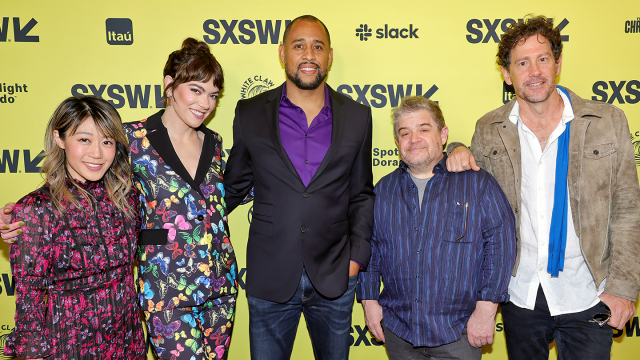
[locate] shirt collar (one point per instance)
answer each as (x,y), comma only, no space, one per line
(327,98)
(567,113)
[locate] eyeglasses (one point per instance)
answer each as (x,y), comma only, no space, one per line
(602,318)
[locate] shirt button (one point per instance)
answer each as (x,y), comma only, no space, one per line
(417,276)
(306,161)
(418,251)
(303,229)
(301,112)
(541,216)
(416,229)
(200,217)
(596,152)
(412,186)
(414,206)
(305,195)
(416,300)
(306,135)
(540,269)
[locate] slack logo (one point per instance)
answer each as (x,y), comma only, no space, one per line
(477,35)
(19,32)
(364,32)
(119,31)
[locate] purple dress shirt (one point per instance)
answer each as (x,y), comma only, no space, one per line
(305,145)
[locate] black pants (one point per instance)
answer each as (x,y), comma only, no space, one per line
(530,332)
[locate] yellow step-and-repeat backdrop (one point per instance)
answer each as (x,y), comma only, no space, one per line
(383,50)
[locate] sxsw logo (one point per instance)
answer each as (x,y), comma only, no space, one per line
(623,92)
(19,32)
(8,287)
(378,95)
(362,337)
(11,159)
(119,31)
(364,32)
(476,34)
(243,31)
(137,96)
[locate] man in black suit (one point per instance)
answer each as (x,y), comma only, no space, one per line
(306,150)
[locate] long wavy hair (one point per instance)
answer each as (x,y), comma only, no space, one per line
(66,119)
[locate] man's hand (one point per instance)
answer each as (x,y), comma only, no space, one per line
(482,324)
(621,310)
(461,159)
(8,232)
(354,268)
(373,316)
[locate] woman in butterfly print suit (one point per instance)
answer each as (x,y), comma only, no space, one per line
(187,284)
(72,266)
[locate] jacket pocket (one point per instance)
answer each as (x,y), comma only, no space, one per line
(494,152)
(456,215)
(153,236)
(262,209)
(261,226)
(339,229)
(598,151)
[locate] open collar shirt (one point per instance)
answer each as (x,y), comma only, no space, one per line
(574,290)
(436,260)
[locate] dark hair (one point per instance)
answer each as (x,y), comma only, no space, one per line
(519,32)
(307,18)
(65,120)
(412,104)
(193,62)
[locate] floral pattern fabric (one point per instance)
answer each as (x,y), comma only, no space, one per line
(75,296)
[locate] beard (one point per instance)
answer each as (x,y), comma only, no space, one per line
(312,85)
(536,97)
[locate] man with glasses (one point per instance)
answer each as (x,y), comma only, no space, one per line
(443,243)
(567,166)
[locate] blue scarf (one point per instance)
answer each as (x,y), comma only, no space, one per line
(559,216)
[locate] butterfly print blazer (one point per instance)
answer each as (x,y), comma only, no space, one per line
(185,254)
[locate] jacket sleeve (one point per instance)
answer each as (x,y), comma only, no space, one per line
(238,174)
(30,264)
(499,243)
(624,272)
(361,201)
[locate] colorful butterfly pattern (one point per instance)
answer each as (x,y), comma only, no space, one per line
(193,266)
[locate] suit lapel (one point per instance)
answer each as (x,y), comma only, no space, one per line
(272,112)
(338,119)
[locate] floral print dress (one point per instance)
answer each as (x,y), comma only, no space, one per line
(75,296)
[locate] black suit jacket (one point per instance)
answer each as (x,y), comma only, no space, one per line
(321,226)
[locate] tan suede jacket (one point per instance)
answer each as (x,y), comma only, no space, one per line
(603,186)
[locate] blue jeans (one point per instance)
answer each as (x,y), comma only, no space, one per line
(272,326)
(530,332)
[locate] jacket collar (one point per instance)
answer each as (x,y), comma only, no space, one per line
(272,111)
(581,108)
(159,138)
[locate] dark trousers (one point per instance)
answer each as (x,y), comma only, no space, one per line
(273,326)
(400,349)
(530,332)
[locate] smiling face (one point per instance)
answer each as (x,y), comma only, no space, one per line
(419,141)
(533,69)
(88,152)
(191,102)
(306,54)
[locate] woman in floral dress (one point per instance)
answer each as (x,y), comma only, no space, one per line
(72,265)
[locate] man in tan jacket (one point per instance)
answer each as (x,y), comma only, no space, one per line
(567,167)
